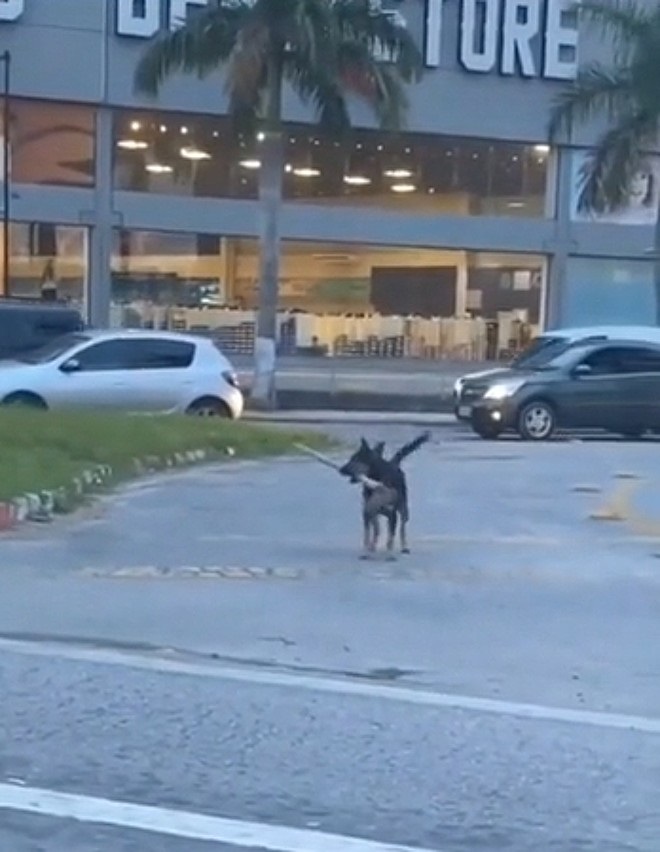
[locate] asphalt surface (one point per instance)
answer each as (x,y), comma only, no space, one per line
(512,595)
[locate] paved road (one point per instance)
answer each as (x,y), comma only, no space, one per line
(303,689)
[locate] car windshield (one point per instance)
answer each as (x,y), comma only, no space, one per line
(540,352)
(53,350)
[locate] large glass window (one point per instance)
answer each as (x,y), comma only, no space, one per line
(51,143)
(600,291)
(348,298)
(48,262)
(202,156)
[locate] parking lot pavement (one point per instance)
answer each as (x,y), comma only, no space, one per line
(203,655)
(259,561)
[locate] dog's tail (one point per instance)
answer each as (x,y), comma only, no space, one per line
(410,448)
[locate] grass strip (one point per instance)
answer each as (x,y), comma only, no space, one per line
(47,450)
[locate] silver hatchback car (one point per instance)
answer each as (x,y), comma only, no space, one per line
(135,371)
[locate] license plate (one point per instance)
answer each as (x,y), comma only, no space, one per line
(465,411)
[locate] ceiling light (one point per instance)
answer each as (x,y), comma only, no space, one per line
(357,180)
(163,128)
(398,173)
(184,131)
(403,187)
(306,172)
(288,168)
(542,149)
(196,154)
(135,125)
(159,169)
(250,164)
(132,144)
(261,136)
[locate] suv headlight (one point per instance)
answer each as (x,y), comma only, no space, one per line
(503,390)
(458,387)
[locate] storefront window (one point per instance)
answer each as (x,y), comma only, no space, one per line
(48,262)
(51,143)
(601,291)
(347,298)
(201,156)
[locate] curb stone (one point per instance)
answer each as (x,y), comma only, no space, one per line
(42,507)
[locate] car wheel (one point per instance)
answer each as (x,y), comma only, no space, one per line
(209,407)
(25,400)
(487,431)
(633,434)
(537,421)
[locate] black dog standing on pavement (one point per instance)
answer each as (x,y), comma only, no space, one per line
(389,497)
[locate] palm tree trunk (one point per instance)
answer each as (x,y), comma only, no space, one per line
(263,393)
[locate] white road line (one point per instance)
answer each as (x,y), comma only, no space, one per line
(244,835)
(337,686)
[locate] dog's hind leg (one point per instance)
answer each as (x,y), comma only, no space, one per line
(391,533)
(403,532)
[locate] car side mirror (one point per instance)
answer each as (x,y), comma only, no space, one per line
(582,370)
(70,366)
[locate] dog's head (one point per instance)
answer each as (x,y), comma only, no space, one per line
(362,461)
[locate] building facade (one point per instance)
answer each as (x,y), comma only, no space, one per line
(146,212)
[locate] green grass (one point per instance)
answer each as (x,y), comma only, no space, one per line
(45,450)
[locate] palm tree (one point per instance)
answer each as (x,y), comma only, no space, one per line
(627,93)
(326,51)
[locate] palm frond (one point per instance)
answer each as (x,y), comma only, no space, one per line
(379,84)
(247,63)
(360,21)
(313,84)
(609,170)
(625,22)
(199,47)
(596,89)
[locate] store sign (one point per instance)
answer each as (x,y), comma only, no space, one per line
(529,38)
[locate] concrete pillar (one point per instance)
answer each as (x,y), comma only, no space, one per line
(102,222)
(462,285)
(562,244)
(228,266)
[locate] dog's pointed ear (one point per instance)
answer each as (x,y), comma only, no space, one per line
(364,444)
(379,449)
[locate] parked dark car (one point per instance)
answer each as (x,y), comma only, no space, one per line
(26,326)
(608,385)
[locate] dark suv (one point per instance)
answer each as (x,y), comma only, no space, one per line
(609,385)
(26,326)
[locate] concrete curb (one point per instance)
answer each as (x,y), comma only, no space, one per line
(42,507)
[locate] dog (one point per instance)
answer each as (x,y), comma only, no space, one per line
(387,493)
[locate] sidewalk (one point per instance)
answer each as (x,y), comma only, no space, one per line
(407,418)
(367,385)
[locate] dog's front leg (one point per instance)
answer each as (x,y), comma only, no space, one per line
(367,535)
(375,526)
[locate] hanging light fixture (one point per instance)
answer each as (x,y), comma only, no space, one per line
(357,180)
(132,144)
(190,152)
(159,168)
(250,164)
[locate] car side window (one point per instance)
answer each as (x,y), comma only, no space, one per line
(608,361)
(163,354)
(107,355)
(640,360)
